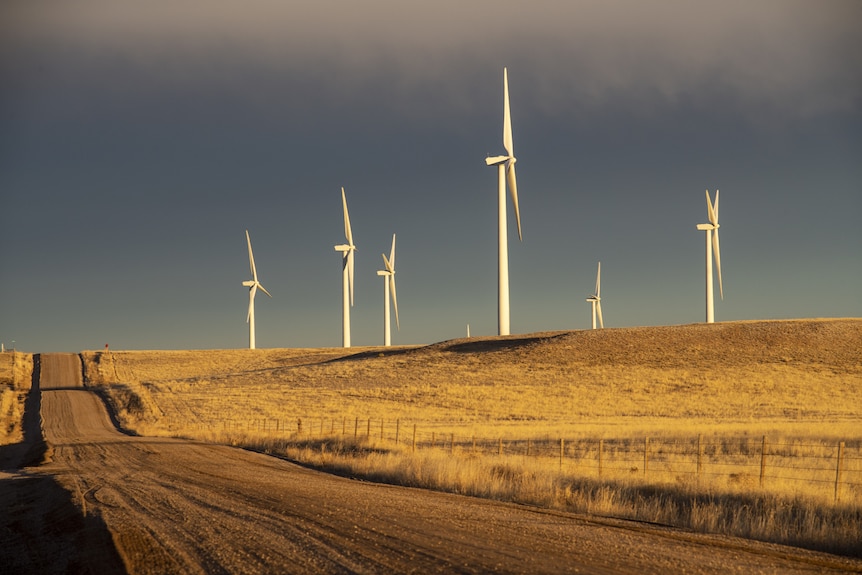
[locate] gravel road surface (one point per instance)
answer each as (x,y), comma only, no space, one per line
(108,502)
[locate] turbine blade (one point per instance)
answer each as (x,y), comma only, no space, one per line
(717,255)
(599,310)
(347,231)
(350,274)
(715,207)
(710,211)
(250,256)
(263,289)
(394,300)
(250,303)
(599,281)
(513,189)
(387,264)
(507,116)
(392,255)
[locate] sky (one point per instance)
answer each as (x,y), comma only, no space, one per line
(139,140)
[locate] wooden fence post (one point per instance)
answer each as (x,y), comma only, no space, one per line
(368,432)
(343,426)
(414,438)
(381,429)
(601,453)
(699,456)
(562,452)
(762,460)
(839,471)
(397,430)
(356,429)
(646,455)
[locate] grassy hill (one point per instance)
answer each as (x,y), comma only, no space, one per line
(803,376)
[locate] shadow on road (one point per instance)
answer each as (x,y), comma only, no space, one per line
(42,530)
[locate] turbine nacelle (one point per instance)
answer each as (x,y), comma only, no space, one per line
(496,160)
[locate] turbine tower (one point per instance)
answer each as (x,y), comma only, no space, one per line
(505,173)
(389,287)
(712,245)
(346,274)
(596,299)
(252,286)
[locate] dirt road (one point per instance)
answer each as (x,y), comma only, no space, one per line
(153,505)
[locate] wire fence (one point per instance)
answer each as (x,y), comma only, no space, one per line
(830,469)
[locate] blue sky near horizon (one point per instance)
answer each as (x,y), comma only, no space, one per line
(138,141)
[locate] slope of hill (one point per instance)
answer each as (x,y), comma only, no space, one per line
(797,371)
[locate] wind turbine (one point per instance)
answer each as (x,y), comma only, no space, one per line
(505,173)
(712,245)
(596,299)
(346,274)
(389,287)
(252,286)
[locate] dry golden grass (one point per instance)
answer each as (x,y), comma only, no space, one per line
(791,377)
(797,382)
(16,371)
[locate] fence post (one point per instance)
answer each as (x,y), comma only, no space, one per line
(343,426)
(381,429)
(646,455)
(762,460)
(451,443)
(699,456)
(299,426)
(601,452)
(562,452)
(356,428)
(838,471)
(414,438)
(397,430)
(368,432)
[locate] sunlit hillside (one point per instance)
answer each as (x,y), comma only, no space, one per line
(802,376)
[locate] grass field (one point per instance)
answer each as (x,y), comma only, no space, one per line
(663,389)
(609,395)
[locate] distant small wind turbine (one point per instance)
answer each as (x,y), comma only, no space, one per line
(712,245)
(346,274)
(389,287)
(252,286)
(596,299)
(505,172)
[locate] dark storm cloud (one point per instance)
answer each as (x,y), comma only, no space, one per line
(796,58)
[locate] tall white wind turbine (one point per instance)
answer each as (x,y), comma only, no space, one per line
(389,288)
(505,173)
(252,286)
(346,274)
(712,245)
(596,299)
